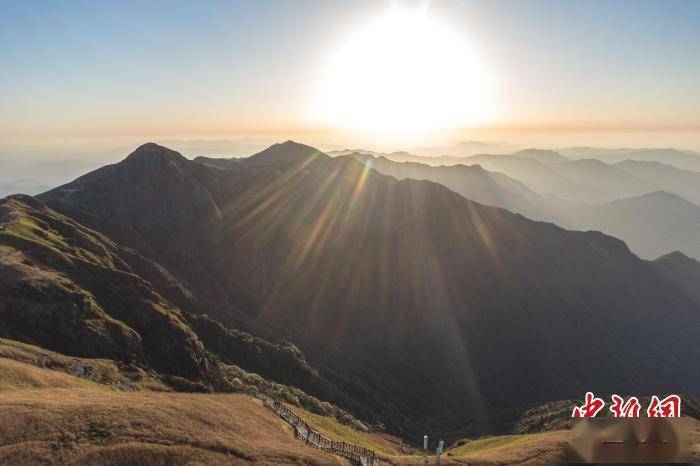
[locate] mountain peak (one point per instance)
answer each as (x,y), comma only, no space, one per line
(659,200)
(675,256)
(682,270)
(152,151)
(542,155)
(662,196)
(588,163)
(285,153)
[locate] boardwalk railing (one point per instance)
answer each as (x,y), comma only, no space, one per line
(358,455)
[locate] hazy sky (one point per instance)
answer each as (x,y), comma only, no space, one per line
(231,68)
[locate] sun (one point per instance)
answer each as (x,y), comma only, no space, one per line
(404,73)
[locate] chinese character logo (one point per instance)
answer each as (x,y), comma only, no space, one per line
(591,407)
(628,409)
(668,407)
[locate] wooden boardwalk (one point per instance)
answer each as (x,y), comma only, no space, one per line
(357,455)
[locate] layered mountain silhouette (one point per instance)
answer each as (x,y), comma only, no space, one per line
(403,156)
(685,183)
(584,181)
(683,159)
(422,307)
(472,182)
(651,224)
(547,156)
(548,173)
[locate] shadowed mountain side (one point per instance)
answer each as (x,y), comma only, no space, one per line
(472,182)
(651,224)
(444,304)
(234,162)
(70,289)
(167,198)
(166,207)
(161,205)
(681,270)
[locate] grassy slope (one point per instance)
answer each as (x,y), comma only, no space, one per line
(71,289)
(63,284)
(546,448)
(336,431)
(493,443)
(51,417)
(541,447)
(104,371)
(18,376)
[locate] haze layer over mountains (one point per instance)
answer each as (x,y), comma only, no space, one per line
(652,205)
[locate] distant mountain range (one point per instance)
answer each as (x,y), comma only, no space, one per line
(459,148)
(472,182)
(22,186)
(685,183)
(651,224)
(582,181)
(683,159)
(625,200)
(402,156)
(415,306)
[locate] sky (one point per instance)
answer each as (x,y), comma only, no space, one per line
(123,71)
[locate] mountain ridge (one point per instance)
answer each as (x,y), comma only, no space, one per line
(471,181)
(652,223)
(383,281)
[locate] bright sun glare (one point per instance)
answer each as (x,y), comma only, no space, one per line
(404,73)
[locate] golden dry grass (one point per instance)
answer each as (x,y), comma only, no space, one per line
(545,448)
(50,417)
(104,371)
(18,376)
(336,431)
(90,426)
(541,448)
(489,444)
